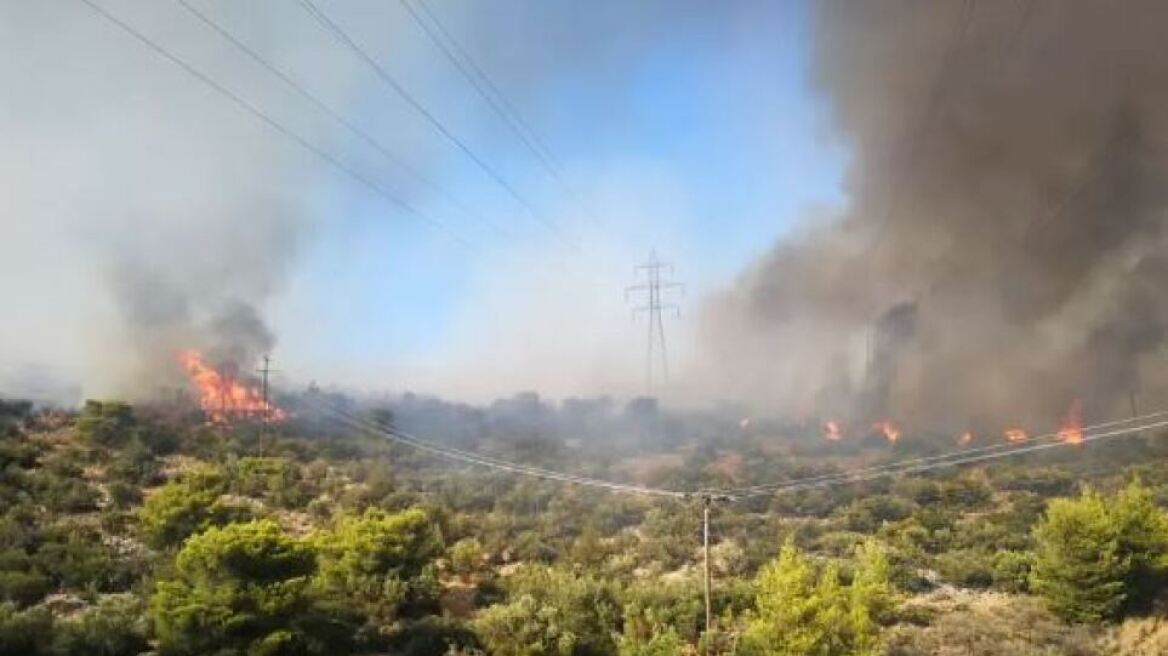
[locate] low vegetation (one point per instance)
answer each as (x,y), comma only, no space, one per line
(129,530)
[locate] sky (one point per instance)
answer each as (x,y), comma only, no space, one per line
(690,129)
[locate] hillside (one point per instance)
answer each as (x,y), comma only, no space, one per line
(128,530)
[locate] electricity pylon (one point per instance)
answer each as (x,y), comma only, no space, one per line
(655,286)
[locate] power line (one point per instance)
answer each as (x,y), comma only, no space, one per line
(268,120)
(361,134)
(487,89)
(858,476)
(943,456)
(468,457)
(343,37)
(655,287)
(535,138)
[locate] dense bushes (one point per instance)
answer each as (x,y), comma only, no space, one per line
(379,563)
(550,611)
(106,423)
(111,627)
(110,546)
(242,588)
(187,506)
(805,608)
(1100,557)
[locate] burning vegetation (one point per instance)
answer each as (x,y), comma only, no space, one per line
(223,396)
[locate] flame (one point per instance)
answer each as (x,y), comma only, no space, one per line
(832,430)
(888,429)
(965,438)
(1071,431)
(223,396)
(1016,435)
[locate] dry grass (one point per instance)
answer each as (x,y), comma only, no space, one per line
(968,623)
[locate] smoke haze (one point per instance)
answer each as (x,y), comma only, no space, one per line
(1002,250)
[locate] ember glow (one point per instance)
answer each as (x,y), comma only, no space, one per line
(224,397)
(832,430)
(965,438)
(887,429)
(1071,430)
(1016,435)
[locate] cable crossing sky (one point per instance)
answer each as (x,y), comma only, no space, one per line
(912,465)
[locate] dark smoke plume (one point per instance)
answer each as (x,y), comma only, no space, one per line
(1003,249)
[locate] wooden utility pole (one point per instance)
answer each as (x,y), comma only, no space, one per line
(706,550)
(265,371)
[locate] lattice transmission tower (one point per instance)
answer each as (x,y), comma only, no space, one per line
(653,290)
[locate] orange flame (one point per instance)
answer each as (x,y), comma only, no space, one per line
(222,396)
(888,429)
(832,430)
(1016,435)
(1071,431)
(965,438)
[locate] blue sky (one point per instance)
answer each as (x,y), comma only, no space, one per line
(688,127)
(714,116)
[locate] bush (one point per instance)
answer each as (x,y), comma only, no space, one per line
(76,558)
(25,633)
(135,464)
(23,588)
(64,495)
(868,514)
(551,612)
(649,607)
(1101,557)
(803,609)
(123,495)
(106,423)
(185,507)
(276,479)
(242,588)
(379,563)
(970,568)
(1012,571)
(113,627)
(466,557)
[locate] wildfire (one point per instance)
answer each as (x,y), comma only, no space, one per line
(887,429)
(1016,435)
(965,438)
(832,430)
(1071,431)
(222,396)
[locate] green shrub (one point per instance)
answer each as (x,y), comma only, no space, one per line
(379,563)
(123,495)
(241,588)
(182,508)
(106,423)
(804,609)
(114,627)
(1101,557)
(24,588)
(1012,571)
(25,633)
(970,568)
(553,612)
(275,479)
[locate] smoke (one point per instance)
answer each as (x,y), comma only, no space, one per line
(142,212)
(1002,250)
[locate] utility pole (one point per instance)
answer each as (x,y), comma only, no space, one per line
(706,555)
(655,287)
(264,372)
(708,498)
